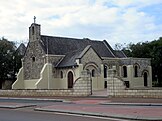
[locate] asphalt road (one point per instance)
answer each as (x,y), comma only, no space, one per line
(22,113)
(28,114)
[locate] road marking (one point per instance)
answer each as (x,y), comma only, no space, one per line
(104,118)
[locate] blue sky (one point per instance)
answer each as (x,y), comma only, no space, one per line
(117,21)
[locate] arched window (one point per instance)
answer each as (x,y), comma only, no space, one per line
(136,71)
(93,73)
(124,71)
(61,74)
(105,71)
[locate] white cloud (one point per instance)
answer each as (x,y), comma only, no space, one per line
(115,20)
(134,3)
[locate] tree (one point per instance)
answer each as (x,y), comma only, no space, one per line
(8,60)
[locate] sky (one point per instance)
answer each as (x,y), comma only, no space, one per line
(117,21)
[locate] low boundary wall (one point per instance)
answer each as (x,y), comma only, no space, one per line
(117,88)
(81,87)
(43,92)
(142,93)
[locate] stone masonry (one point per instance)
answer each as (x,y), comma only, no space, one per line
(116,88)
(82,87)
(33,61)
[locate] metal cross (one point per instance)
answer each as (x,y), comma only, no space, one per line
(34,19)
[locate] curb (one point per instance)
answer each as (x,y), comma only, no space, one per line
(33,99)
(96,96)
(133,104)
(100,114)
(17,106)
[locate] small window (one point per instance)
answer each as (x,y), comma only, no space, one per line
(61,74)
(33,59)
(93,73)
(124,71)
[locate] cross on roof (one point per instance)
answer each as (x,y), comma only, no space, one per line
(34,19)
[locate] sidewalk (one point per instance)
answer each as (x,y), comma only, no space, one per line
(108,108)
(123,108)
(15,105)
(122,112)
(113,100)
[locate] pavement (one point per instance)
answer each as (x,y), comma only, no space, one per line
(15,105)
(122,108)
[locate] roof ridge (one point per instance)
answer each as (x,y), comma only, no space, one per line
(108,47)
(72,38)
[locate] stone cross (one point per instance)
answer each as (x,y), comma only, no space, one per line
(34,19)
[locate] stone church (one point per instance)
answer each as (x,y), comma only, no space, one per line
(53,62)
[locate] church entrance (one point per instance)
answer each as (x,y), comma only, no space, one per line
(70,80)
(145,79)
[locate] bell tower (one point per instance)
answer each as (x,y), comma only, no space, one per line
(34,31)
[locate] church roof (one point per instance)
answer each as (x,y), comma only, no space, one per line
(62,45)
(120,54)
(73,48)
(69,59)
(21,49)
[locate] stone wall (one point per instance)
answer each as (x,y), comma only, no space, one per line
(131,61)
(92,62)
(112,62)
(32,68)
(116,88)
(91,57)
(82,87)
(43,92)
(143,93)
(143,63)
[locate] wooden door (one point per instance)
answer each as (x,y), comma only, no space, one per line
(145,79)
(70,80)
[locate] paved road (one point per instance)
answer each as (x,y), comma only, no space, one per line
(91,107)
(27,114)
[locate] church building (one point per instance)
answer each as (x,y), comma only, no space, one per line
(53,62)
